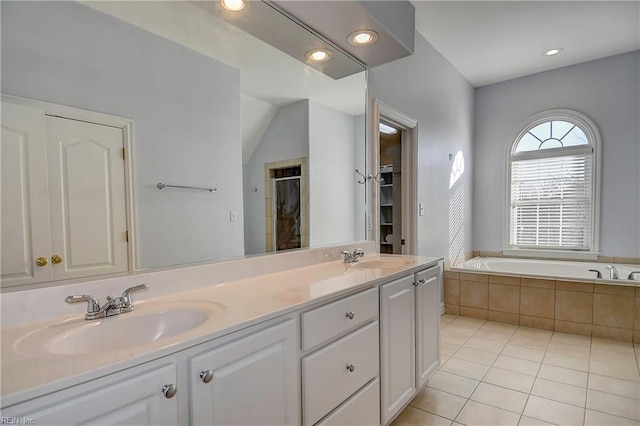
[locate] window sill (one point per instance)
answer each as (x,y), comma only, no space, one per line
(551,254)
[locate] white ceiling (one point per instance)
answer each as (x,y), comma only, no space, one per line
(492,41)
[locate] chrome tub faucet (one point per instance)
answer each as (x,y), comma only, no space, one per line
(113,306)
(613,272)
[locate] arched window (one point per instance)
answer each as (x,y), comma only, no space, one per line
(553,183)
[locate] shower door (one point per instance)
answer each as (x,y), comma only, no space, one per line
(286,213)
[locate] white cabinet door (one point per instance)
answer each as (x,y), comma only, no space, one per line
(427,323)
(87,198)
(25,202)
(397,342)
(254,380)
(131,397)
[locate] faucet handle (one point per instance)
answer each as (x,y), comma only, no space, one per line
(632,274)
(598,273)
(93,305)
(126,295)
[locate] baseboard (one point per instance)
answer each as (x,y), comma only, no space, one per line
(441,309)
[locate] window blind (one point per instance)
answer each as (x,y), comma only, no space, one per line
(551,202)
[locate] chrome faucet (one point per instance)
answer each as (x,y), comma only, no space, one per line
(113,306)
(353,257)
(613,272)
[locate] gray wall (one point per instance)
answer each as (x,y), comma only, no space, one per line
(331,176)
(427,87)
(607,91)
(286,137)
(185,107)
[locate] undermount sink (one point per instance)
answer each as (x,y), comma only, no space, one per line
(149,323)
(383,263)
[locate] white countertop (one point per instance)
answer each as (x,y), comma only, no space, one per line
(27,373)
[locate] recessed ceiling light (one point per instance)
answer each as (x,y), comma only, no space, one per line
(553,51)
(318,55)
(387,130)
(233,5)
(362,37)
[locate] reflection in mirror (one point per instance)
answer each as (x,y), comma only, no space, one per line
(196,101)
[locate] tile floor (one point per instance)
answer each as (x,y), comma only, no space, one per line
(501,374)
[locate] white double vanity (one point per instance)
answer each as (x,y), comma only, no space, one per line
(290,338)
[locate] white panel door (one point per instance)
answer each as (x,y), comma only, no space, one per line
(87,198)
(427,323)
(398,345)
(131,397)
(254,380)
(25,203)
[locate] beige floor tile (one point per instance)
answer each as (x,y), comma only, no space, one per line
(566,361)
(439,403)
(447,318)
(509,379)
(415,416)
(485,345)
(475,413)
(448,349)
(623,372)
(518,365)
(500,397)
(530,342)
(623,358)
(562,392)
(596,418)
(564,375)
(452,383)
(570,350)
(444,359)
(496,336)
(571,339)
(611,345)
(553,411)
(535,333)
(469,322)
(613,404)
(614,386)
(464,368)
(461,329)
(529,421)
(476,355)
(523,352)
(499,327)
(453,337)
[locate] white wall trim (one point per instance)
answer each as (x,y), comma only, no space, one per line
(126,125)
(594,138)
(409,176)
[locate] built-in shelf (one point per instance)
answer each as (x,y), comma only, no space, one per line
(384,243)
(386,205)
(386,224)
(386,185)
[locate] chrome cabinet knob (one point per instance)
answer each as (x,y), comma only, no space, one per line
(415,284)
(206,376)
(351,368)
(422,281)
(169,391)
(350,315)
(42,261)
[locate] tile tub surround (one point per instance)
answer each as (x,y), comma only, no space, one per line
(585,308)
(246,301)
(500,374)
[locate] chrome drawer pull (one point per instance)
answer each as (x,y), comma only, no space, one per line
(350,315)
(351,368)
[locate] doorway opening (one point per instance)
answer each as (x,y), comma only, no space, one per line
(286,205)
(395,137)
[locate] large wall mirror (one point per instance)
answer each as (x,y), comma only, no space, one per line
(206,104)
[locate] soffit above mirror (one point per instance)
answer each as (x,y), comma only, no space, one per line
(393,21)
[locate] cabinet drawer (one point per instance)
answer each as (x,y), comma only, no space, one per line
(327,381)
(322,324)
(363,408)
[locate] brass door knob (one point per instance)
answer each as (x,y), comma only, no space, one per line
(41,261)
(56,259)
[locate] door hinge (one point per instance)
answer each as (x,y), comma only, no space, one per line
(126,235)
(123,154)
